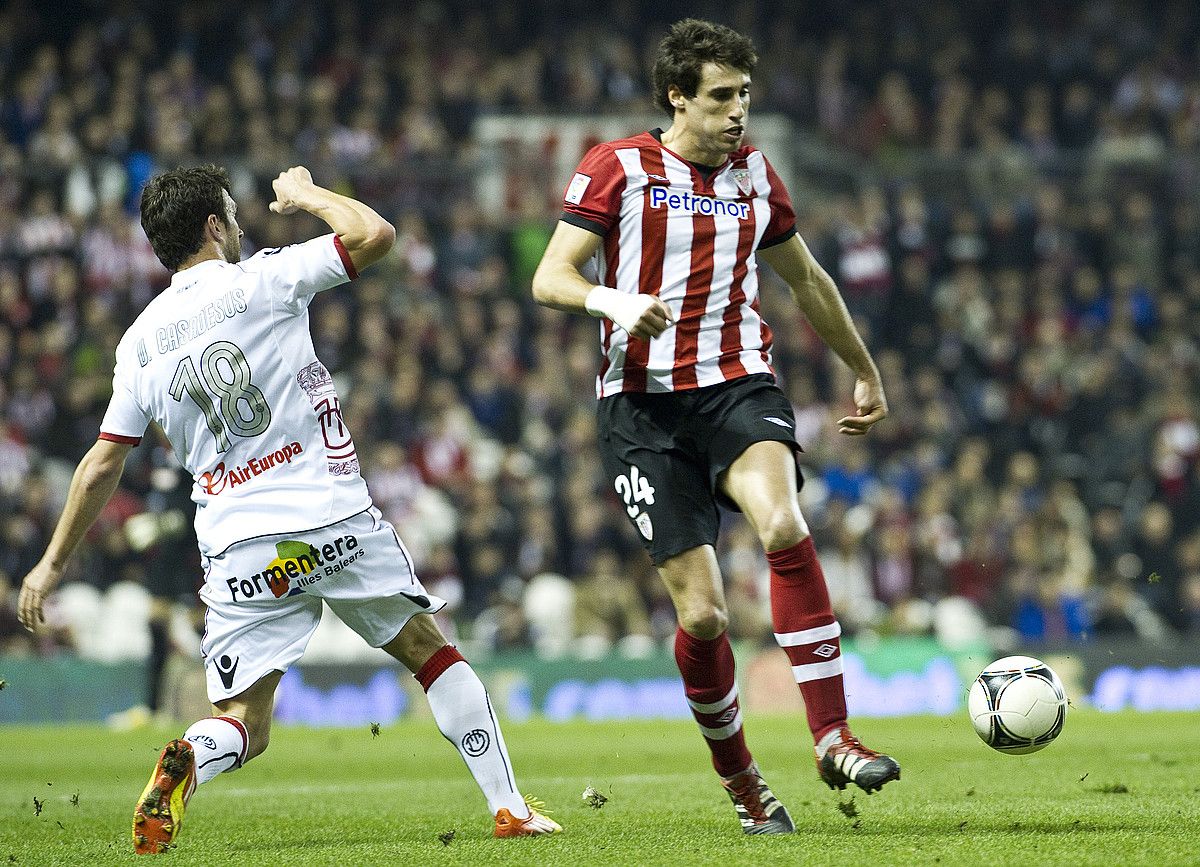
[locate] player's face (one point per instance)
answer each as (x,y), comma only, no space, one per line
(231,247)
(717,115)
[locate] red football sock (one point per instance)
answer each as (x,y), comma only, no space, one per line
(808,633)
(708,681)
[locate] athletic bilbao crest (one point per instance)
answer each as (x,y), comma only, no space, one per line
(645,526)
(741,177)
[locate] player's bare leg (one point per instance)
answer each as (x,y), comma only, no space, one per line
(705,662)
(762,481)
(464,715)
(239,730)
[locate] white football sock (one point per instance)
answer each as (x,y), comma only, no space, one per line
(463,712)
(219,743)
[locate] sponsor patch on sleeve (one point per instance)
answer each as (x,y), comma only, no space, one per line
(577,188)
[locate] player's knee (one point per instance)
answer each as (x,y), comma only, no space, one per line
(705,622)
(784,528)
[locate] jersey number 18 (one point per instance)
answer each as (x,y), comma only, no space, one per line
(226,373)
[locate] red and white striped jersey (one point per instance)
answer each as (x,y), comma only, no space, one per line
(670,232)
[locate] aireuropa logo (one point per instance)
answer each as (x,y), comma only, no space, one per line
(297,565)
(706,206)
(220,479)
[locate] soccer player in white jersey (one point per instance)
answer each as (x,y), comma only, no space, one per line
(223,361)
(689,412)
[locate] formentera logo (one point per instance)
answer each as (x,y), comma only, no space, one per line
(297,564)
(220,479)
(690,203)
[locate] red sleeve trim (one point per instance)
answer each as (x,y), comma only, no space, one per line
(351,271)
(117,438)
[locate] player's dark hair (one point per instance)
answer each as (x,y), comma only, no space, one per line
(175,207)
(690,44)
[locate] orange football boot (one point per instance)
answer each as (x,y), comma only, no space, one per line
(159,811)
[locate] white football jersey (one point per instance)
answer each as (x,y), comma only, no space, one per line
(224,362)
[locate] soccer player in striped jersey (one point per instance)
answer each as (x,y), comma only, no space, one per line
(689,413)
(224,362)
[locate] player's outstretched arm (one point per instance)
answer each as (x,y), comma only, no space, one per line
(366,236)
(559,283)
(92,487)
(819,299)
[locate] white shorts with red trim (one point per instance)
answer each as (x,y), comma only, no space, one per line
(265,596)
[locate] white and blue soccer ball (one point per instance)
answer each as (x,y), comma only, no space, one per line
(1017,705)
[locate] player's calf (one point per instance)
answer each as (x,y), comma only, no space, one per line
(463,713)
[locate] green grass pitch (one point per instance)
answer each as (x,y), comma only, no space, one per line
(1114,789)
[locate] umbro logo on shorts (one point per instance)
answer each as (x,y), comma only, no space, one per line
(227,668)
(777,421)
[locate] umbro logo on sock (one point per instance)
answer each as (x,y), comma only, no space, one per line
(476,742)
(227,668)
(729,716)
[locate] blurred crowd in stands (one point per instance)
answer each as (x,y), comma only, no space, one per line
(1006,194)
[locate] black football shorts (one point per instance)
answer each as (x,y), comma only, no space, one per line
(663,454)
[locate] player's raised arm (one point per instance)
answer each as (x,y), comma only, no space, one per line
(366,236)
(559,283)
(92,487)
(819,299)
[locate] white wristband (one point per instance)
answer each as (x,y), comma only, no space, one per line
(621,307)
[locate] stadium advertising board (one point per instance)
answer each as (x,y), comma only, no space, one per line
(888,678)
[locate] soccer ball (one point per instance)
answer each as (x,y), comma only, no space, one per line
(1017,705)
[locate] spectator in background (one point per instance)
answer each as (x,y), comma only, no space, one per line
(864,266)
(1054,314)
(847,564)
(609,611)
(1191,605)
(1045,584)
(15,640)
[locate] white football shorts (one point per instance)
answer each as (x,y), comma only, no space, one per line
(264,596)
